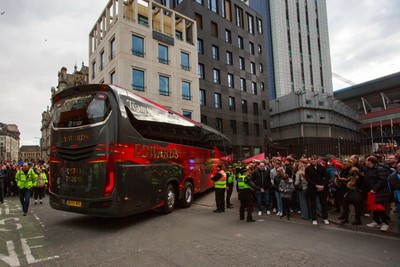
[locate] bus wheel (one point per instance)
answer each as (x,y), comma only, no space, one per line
(169,201)
(187,195)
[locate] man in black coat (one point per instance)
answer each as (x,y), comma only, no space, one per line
(262,180)
(317,178)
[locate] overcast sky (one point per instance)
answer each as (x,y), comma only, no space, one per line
(40,37)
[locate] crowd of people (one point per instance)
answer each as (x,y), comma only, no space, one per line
(25,180)
(312,185)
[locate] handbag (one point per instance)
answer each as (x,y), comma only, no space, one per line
(372,205)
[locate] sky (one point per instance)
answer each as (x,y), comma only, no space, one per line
(40,37)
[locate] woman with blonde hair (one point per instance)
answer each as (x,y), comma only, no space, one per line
(301,187)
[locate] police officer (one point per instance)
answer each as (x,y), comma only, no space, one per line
(229,186)
(25,179)
(220,185)
(246,192)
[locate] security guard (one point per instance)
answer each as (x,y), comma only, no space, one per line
(25,179)
(229,186)
(246,192)
(220,185)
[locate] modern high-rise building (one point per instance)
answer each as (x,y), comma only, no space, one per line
(297,46)
(231,70)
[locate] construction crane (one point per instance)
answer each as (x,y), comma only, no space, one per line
(337,76)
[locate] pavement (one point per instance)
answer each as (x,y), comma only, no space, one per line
(209,200)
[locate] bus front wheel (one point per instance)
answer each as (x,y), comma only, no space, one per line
(187,195)
(169,199)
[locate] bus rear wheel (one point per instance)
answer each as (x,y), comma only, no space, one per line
(169,200)
(187,195)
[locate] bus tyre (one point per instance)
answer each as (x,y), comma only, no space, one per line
(187,195)
(169,200)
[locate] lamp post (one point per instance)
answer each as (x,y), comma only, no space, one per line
(340,138)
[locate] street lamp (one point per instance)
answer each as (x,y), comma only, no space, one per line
(340,138)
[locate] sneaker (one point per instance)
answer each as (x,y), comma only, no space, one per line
(326,222)
(373,224)
(268,212)
(274,210)
(314,222)
(384,227)
(24,213)
(41,202)
(259,213)
(366,215)
(299,212)
(35,202)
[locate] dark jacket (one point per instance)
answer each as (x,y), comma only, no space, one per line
(261,179)
(376,177)
(316,176)
(394,182)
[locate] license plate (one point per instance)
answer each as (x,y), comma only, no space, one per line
(74,203)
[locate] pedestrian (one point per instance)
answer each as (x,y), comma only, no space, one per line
(220,186)
(301,189)
(262,180)
(280,174)
(39,185)
(317,180)
(376,177)
(246,193)
(230,176)
(25,179)
(286,188)
(353,196)
(394,182)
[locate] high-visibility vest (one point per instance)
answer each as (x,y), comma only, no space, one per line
(240,182)
(221,183)
(25,181)
(43,178)
(231,177)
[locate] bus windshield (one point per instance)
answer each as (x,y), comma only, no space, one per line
(80,110)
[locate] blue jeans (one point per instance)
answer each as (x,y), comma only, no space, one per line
(303,204)
(24,197)
(262,196)
(1,190)
(279,204)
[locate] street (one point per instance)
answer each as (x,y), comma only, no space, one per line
(187,237)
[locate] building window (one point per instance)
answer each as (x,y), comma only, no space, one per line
(254,88)
(240,42)
(213,6)
(112,48)
(202,97)
(215,52)
(251,48)
(264,105)
(201,71)
(137,80)
(230,81)
(239,16)
(262,86)
(144,21)
(112,77)
(102,61)
(216,76)
(164,85)
(199,20)
(232,127)
(178,35)
(261,68)
(186,90)
(229,58)
(199,2)
(187,114)
(232,104)
(162,54)
(259,26)
(244,106)
(93,69)
(217,101)
(137,46)
(203,119)
(253,67)
(259,49)
(245,128)
(185,61)
(241,63)
(243,85)
(228,36)
(214,29)
(255,109)
(218,124)
(250,24)
(200,46)
(256,129)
